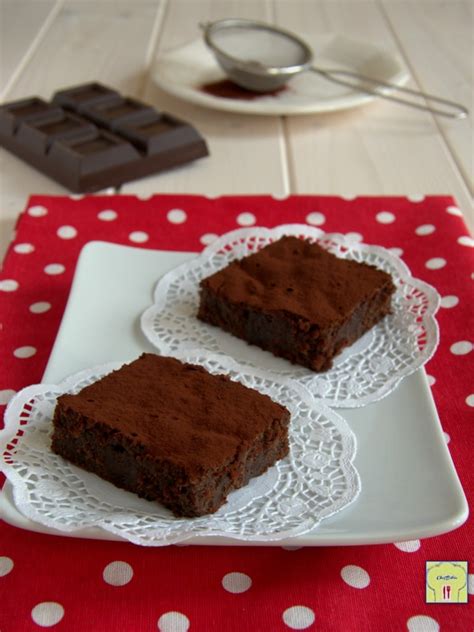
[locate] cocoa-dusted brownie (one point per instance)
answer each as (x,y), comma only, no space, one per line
(297,300)
(171,432)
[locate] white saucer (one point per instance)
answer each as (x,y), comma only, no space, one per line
(183,71)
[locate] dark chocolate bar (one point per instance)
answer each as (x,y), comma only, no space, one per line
(90,137)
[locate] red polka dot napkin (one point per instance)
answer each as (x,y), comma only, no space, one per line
(75,584)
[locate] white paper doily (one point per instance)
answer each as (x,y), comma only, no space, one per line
(363,373)
(315,481)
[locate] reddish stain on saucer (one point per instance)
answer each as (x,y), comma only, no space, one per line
(229,90)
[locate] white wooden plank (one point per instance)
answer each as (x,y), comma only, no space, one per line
(378,149)
(20,23)
(438,40)
(10,208)
(105,41)
(247,153)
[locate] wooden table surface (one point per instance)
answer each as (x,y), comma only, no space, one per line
(380,148)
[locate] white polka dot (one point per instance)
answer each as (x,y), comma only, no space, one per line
(449,301)
(292,548)
(398,252)
(138,237)
(461,348)
(8,285)
(108,215)
(470,584)
(425,229)
(354,237)
(465,240)
(470,400)
(348,196)
(246,219)
(410,546)
(76,196)
(6,564)
(453,210)
(316,219)
(207,238)
(416,197)
(280,196)
(355,576)
(37,211)
(23,249)
(298,617)
(40,307)
(5,397)
(24,352)
(431,380)
(447,438)
(173,622)
(435,264)
(236,582)
(385,217)
(176,216)
(66,232)
(47,613)
(117,573)
(422,623)
(54,268)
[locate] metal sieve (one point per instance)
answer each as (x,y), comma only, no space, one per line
(262,58)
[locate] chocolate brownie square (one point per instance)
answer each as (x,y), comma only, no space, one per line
(297,300)
(171,432)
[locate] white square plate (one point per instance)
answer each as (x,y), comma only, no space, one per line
(410,488)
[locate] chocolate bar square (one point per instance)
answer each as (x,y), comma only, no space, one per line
(156,133)
(13,114)
(39,133)
(88,155)
(82,96)
(116,111)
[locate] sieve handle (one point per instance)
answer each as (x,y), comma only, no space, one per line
(453,110)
